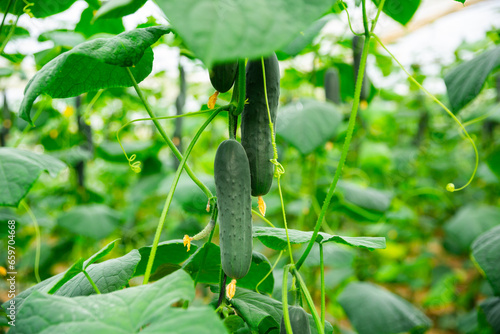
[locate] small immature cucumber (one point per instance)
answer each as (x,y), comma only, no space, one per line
(332,85)
(357,49)
(232,184)
(222,76)
(255,132)
(298,320)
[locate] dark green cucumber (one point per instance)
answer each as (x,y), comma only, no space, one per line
(332,86)
(298,320)
(222,76)
(357,49)
(255,132)
(232,184)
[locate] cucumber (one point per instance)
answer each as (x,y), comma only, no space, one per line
(222,76)
(357,49)
(298,320)
(255,132)
(232,185)
(332,86)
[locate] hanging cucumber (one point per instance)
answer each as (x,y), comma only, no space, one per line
(255,132)
(222,76)
(298,320)
(357,49)
(232,183)
(332,86)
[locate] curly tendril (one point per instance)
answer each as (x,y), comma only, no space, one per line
(27,10)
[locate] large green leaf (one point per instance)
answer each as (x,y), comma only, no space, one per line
(62,38)
(262,313)
(143,309)
(172,252)
(19,169)
(118,8)
(39,8)
(367,198)
(303,39)
(107,26)
(218,31)
(468,223)
(400,10)
(95,221)
(491,309)
(211,269)
(465,81)
(308,124)
(93,65)
(486,252)
(374,310)
(109,276)
(275,238)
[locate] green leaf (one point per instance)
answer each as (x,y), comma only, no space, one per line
(467,224)
(275,238)
(465,81)
(493,161)
(143,309)
(100,254)
(218,31)
(262,313)
(461,1)
(19,169)
(364,197)
(491,309)
(168,252)
(40,8)
(400,10)
(118,8)
(304,38)
(308,124)
(95,221)
(486,253)
(109,276)
(374,310)
(74,270)
(19,32)
(62,37)
(211,270)
(93,65)
(107,26)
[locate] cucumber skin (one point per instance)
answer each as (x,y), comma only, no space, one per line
(255,132)
(222,76)
(298,320)
(232,184)
(332,86)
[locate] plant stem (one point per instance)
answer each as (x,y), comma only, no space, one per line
(239,90)
(284,293)
(347,141)
(222,287)
(309,301)
(169,142)
(11,32)
(91,282)
(269,273)
(322,269)
(205,253)
(263,218)
(170,195)
(6,13)
(38,241)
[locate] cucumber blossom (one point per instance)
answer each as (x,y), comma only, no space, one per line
(332,86)
(298,320)
(222,76)
(255,132)
(232,184)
